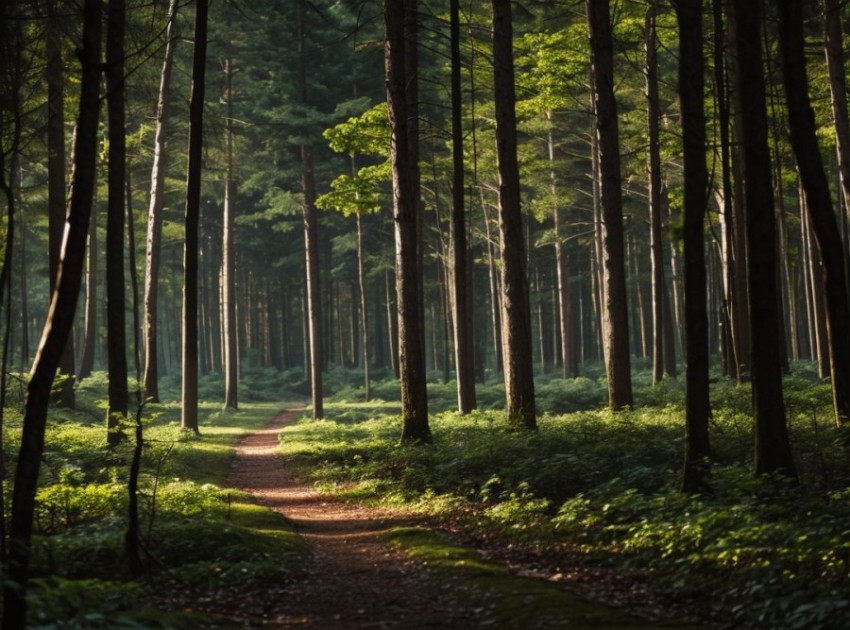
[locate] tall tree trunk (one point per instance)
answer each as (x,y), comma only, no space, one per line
(516,310)
(55,75)
(834,49)
(154,234)
(464,341)
(564,305)
(228,283)
(364,327)
(691,94)
(116,334)
(772,446)
(414,400)
(189,418)
(818,201)
(92,304)
(616,317)
(57,327)
(654,168)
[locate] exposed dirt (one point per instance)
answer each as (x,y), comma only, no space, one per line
(352,579)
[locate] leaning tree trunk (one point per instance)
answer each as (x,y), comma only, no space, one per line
(516,310)
(772,446)
(55,74)
(818,202)
(414,399)
(116,335)
(461,273)
(615,313)
(189,418)
(57,327)
(154,235)
(691,92)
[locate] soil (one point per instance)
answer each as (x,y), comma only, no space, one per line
(352,579)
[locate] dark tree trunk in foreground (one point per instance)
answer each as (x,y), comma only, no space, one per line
(461,273)
(154,235)
(116,335)
(834,46)
(414,399)
(615,313)
(691,94)
(818,201)
(189,418)
(57,327)
(516,310)
(772,447)
(55,75)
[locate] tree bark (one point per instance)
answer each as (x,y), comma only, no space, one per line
(228,282)
(818,201)
(691,94)
(154,233)
(57,327)
(189,418)
(90,324)
(772,446)
(516,310)
(414,400)
(615,313)
(464,340)
(116,334)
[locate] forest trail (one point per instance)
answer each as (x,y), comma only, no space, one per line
(352,579)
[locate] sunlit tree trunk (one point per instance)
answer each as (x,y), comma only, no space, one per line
(772,446)
(228,282)
(414,400)
(92,305)
(55,75)
(57,327)
(691,94)
(818,201)
(189,418)
(615,313)
(154,231)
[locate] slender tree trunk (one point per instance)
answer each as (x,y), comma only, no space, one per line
(772,446)
(564,306)
(617,358)
(57,326)
(228,282)
(834,49)
(818,202)
(516,310)
(189,418)
(55,75)
(154,232)
(691,95)
(464,340)
(364,328)
(90,343)
(654,167)
(116,333)
(414,400)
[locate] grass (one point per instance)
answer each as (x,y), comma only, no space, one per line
(605,487)
(199,537)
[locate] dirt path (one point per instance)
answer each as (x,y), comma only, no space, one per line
(352,579)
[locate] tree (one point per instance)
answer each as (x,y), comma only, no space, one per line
(115,297)
(228,267)
(57,327)
(55,75)
(189,417)
(818,201)
(691,94)
(772,446)
(461,275)
(154,231)
(615,313)
(414,399)
(516,311)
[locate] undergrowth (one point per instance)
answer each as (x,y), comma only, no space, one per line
(759,552)
(197,537)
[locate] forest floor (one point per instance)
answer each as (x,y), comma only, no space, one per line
(353,578)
